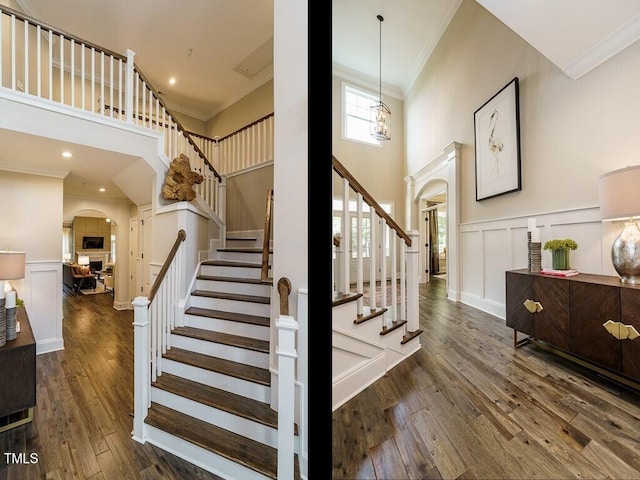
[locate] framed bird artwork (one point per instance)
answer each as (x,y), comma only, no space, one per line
(497,144)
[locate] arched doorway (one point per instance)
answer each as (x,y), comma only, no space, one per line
(438,177)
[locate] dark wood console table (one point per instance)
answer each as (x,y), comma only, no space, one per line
(591,319)
(18,378)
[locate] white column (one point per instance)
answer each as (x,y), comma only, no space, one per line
(142,382)
(413,277)
(128,101)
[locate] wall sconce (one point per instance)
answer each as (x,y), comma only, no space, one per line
(620,200)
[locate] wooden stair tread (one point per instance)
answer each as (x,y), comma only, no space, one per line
(217,278)
(342,298)
(248,343)
(394,326)
(369,315)
(231,263)
(232,316)
(250,373)
(242,450)
(233,403)
(410,336)
(232,296)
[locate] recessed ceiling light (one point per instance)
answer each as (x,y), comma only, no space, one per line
(172,81)
(66,154)
(102,189)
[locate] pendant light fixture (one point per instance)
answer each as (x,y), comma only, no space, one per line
(380,115)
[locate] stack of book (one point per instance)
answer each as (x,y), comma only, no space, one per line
(559,273)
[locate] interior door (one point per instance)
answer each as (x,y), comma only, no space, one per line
(133,257)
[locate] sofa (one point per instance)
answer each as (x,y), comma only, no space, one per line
(77,277)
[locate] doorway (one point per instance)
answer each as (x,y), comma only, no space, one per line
(435,217)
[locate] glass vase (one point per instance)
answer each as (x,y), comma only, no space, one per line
(560,259)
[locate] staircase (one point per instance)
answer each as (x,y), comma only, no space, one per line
(211,405)
(366,345)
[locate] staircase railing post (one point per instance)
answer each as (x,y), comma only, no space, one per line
(128,92)
(338,278)
(287,355)
(222,209)
(413,276)
(142,383)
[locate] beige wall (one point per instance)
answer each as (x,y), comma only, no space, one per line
(91,227)
(246,199)
(248,109)
(31,213)
(380,170)
(572,131)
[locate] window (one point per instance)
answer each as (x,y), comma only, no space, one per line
(356,110)
(366,226)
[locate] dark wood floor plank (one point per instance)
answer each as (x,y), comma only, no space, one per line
(445,455)
(387,460)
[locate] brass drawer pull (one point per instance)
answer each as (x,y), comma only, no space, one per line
(532,306)
(620,330)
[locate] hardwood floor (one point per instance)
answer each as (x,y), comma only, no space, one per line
(83,419)
(469,406)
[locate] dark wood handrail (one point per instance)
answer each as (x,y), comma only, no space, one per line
(264,268)
(177,122)
(57,31)
(355,185)
(219,139)
(284,289)
(182,235)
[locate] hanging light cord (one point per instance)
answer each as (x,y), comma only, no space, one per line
(380,63)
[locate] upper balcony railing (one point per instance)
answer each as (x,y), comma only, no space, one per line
(40,60)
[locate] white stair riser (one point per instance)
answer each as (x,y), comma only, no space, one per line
(251,257)
(230,271)
(245,243)
(227,326)
(216,464)
(218,380)
(218,350)
(262,290)
(226,305)
(241,426)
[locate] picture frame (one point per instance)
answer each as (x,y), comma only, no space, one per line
(497,143)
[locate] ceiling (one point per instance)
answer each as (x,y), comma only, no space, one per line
(198,42)
(576,35)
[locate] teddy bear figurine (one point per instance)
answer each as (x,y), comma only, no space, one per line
(178,184)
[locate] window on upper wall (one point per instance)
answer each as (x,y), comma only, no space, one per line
(356,124)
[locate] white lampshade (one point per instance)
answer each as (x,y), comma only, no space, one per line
(83,260)
(620,194)
(11,265)
(66,257)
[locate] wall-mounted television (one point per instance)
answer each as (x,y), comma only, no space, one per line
(89,243)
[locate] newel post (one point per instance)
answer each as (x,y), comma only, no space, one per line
(141,362)
(128,91)
(413,277)
(287,355)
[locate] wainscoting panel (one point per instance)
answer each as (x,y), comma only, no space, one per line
(490,248)
(42,295)
(497,245)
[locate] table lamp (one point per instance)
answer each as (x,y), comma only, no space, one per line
(620,201)
(66,257)
(82,260)
(11,267)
